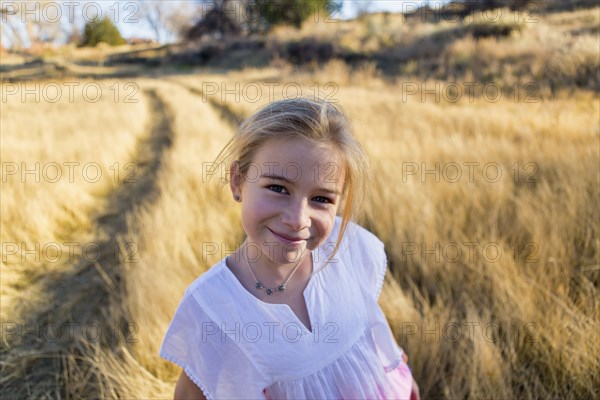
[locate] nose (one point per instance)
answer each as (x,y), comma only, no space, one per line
(296,215)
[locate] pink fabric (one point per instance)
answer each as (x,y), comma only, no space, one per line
(401,380)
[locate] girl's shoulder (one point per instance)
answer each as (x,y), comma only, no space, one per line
(364,254)
(212,281)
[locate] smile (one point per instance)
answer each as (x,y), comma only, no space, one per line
(287,239)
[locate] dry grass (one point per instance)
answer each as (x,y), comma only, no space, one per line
(546,231)
(68,149)
(550,54)
(555,214)
(187,218)
(522,323)
(554,51)
(52,288)
(513,307)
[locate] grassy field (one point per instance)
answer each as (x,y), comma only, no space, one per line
(487,202)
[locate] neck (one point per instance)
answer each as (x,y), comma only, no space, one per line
(273,274)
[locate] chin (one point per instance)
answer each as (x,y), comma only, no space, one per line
(291,255)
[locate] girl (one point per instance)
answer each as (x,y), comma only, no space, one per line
(293,312)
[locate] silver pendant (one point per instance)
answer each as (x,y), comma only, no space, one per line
(270,291)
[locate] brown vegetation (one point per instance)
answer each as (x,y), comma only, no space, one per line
(493,284)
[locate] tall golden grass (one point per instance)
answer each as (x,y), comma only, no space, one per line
(56,170)
(498,266)
(494,274)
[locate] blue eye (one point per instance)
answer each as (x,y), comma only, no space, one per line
(322,199)
(277,188)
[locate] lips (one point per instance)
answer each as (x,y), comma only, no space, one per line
(286,238)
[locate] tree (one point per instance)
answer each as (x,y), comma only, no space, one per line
(26,25)
(218,21)
(240,17)
(101,30)
(292,12)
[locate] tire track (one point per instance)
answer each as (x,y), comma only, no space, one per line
(68,361)
(225,112)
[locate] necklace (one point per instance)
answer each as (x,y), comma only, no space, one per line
(270,291)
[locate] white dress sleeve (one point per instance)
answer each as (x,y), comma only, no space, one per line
(210,358)
(370,264)
(368,259)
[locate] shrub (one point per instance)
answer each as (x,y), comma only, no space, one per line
(101,30)
(309,50)
(291,12)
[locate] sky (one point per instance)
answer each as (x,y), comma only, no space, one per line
(123,12)
(349,6)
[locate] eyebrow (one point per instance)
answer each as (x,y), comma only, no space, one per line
(284,179)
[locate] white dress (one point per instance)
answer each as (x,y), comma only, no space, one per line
(236,346)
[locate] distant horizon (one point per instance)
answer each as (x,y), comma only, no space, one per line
(124,13)
(348,11)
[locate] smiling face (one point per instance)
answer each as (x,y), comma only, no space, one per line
(290,195)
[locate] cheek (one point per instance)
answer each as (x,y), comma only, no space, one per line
(257,208)
(325,224)
(250,215)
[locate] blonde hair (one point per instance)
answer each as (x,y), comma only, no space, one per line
(321,123)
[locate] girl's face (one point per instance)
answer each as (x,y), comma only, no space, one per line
(290,196)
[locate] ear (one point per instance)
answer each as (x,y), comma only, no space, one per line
(235,180)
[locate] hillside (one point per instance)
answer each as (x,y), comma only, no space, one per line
(549,51)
